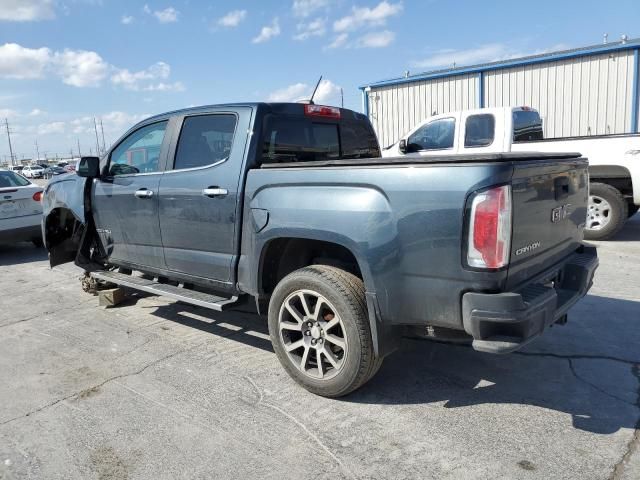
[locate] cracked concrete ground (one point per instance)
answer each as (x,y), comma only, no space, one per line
(154,389)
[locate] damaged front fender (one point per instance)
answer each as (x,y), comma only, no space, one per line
(64,217)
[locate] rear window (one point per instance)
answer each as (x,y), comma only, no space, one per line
(11,179)
(292,138)
(527,126)
(479,130)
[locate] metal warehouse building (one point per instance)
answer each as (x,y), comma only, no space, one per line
(580,92)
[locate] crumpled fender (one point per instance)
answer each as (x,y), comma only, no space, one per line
(65,191)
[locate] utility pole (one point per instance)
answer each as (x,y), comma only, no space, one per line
(37,151)
(104,147)
(95,127)
(79,154)
(342,97)
(6,124)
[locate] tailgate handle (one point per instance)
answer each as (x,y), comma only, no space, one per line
(561,187)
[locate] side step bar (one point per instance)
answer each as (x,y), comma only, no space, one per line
(205,300)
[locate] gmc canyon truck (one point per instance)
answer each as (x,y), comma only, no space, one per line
(614,169)
(293,206)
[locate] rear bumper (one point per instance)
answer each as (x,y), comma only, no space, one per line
(504,322)
(20,229)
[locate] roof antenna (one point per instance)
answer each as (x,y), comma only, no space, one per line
(315,90)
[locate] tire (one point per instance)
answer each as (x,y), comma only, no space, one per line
(633,209)
(607,212)
(340,326)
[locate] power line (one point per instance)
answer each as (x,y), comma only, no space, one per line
(6,124)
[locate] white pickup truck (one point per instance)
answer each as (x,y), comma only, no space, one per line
(614,160)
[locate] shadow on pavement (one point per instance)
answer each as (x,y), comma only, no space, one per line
(244,327)
(19,253)
(569,369)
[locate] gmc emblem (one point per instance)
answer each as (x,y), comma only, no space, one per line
(560,213)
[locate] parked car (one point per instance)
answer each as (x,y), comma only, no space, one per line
(291,205)
(33,171)
(53,171)
(70,167)
(16,168)
(20,209)
(614,160)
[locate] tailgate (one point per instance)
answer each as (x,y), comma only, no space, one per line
(549,211)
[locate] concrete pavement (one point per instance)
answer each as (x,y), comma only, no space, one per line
(154,389)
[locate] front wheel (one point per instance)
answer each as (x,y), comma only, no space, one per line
(607,212)
(320,330)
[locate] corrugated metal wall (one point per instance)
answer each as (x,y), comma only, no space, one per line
(394,110)
(575,97)
(590,95)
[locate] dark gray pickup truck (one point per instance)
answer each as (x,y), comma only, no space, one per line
(291,205)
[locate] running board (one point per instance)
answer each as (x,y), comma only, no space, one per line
(205,300)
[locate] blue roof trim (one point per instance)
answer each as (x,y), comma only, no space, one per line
(549,57)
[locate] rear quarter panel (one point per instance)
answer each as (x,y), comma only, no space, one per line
(403,224)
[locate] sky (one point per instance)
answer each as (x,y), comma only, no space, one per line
(65,62)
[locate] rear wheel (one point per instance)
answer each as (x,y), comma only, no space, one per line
(320,330)
(607,212)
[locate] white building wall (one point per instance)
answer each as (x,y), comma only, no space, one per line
(575,97)
(590,95)
(394,110)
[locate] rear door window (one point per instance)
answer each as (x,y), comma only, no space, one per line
(205,140)
(436,135)
(527,126)
(479,130)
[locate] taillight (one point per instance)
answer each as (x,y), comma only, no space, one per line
(321,111)
(490,228)
(37,197)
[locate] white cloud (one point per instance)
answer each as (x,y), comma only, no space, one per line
(168,15)
(305,8)
(51,128)
(292,93)
(491,52)
(232,19)
(367,17)
(339,41)
(80,68)
(326,93)
(376,39)
(126,19)
(165,87)
(20,62)
(268,32)
(133,80)
(36,112)
(315,28)
(7,113)
(26,10)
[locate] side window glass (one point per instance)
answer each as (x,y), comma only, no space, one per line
(479,130)
(139,152)
(437,135)
(204,140)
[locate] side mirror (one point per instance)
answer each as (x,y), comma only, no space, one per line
(89,167)
(402,146)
